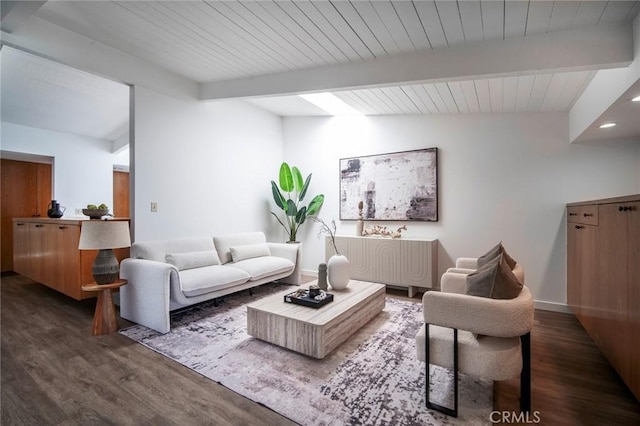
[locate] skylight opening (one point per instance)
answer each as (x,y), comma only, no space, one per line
(330,103)
(607,125)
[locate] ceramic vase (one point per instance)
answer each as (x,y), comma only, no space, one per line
(338,271)
(359,228)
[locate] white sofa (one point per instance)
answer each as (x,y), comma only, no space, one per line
(170,274)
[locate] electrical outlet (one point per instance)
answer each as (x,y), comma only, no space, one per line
(78,212)
(154,207)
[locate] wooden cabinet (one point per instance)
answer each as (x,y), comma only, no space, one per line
(26,192)
(603,278)
(46,251)
(408,263)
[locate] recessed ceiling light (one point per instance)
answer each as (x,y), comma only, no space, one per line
(607,125)
(636,99)
(330,103)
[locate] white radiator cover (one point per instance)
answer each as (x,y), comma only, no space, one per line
(403,262)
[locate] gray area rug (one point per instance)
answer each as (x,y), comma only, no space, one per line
(374,378)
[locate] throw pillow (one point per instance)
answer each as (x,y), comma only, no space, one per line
(494,280)
(493,253)
(249,251)
(194,259)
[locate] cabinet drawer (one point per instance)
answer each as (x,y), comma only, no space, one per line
(587,215)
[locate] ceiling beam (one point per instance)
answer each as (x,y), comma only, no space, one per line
(573,50)
(15,13)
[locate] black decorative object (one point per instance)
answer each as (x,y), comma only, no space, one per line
(55,210)
(306,300)
(322,276)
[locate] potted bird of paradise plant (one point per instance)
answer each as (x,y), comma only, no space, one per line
(295,213)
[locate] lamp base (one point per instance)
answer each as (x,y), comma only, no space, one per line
(105,268)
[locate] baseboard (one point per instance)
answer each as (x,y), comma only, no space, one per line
(310,273)
(552,306)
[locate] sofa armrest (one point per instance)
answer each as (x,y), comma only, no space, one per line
(145,299)
(461,270)
(490,317)
(467,263)
(290,252)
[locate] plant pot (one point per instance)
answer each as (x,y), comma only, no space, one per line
(338,269)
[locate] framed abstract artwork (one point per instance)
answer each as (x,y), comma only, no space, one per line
(395,186)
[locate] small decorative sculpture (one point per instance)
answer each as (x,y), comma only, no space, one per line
(360,223)
(322,276)
(383,232)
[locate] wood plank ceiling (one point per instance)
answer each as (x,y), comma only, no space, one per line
(209,41)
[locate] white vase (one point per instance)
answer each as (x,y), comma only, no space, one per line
(338,272)
(359,228)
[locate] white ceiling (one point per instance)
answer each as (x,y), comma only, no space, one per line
(237,42)
(40,93)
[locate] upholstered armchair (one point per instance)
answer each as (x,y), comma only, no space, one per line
(480,336)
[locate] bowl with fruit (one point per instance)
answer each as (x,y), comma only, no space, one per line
(96,212)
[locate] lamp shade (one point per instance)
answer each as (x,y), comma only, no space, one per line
(104,234)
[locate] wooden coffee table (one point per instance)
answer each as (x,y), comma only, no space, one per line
(310,331)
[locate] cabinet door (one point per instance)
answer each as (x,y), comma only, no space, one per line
(633,296)
(67,259)
(21,248)
(582,287)
(41,253)
(614,268)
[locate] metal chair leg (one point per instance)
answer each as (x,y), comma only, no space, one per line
(445,410)
(525,375)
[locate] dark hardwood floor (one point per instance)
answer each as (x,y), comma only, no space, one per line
(54,372)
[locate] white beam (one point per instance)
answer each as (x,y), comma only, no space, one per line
(15,13)
(51,41)
(607,87)
(581,49)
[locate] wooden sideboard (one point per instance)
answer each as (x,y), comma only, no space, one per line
(603,278)
(402,262)
(46,250)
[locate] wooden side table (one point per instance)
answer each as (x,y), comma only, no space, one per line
(104,319)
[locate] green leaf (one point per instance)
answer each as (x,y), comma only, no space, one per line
(304,188)
(277,195)
(297,180)
(286,179)
(301,216)
(292,210)
(315,205)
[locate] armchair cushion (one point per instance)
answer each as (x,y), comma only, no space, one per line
(493,253)
(495,280)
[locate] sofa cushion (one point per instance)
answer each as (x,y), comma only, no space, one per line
(249,251)
(193,259)
(206,279)
(224,243)
(260,267)
(157,250)
(494,280)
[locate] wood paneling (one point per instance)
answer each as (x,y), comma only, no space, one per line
(26,192)
(121,194)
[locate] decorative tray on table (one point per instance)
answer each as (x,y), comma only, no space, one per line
(302,297)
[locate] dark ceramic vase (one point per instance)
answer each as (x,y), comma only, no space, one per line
(55,210)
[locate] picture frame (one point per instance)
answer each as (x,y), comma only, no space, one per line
(397,186)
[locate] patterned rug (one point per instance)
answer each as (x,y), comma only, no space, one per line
(374,378)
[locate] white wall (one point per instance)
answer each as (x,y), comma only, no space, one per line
(83,166)
(207,165)
(502,177)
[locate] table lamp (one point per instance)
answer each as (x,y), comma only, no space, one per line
(104,235)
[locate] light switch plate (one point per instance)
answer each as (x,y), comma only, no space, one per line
(154,207)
